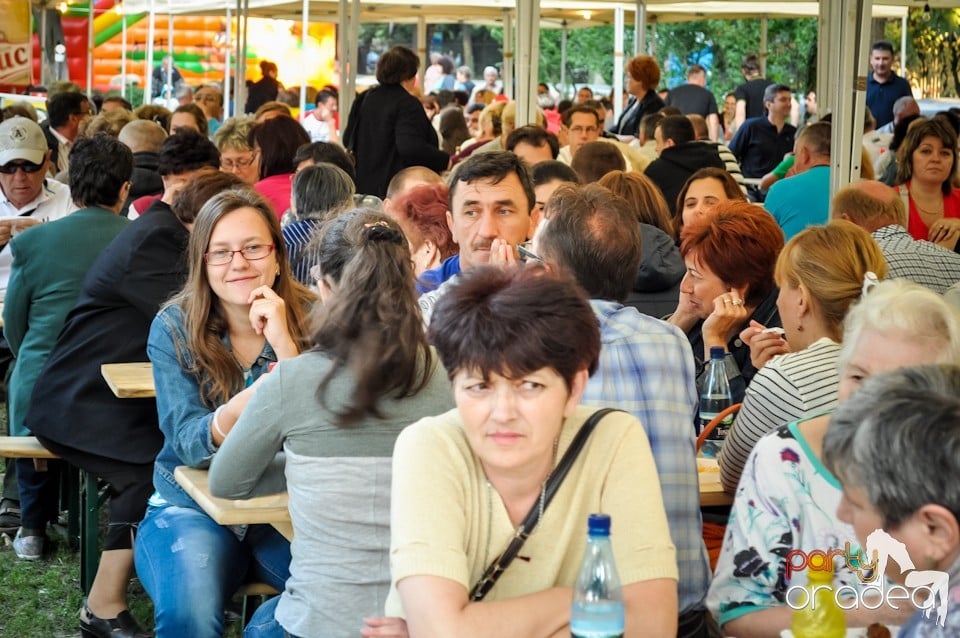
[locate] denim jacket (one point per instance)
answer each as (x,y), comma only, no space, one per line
(184,419)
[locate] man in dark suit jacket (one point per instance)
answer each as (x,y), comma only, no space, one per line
(388,129)
(49,264)
(65,112)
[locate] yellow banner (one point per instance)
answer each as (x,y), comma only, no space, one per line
(15,42)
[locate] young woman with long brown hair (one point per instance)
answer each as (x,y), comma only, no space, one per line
(239,311)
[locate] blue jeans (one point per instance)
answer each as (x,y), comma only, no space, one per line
(191,566)
(264,625)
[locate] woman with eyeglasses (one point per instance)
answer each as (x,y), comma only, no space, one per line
(336,411)
(239,311)
(236,153)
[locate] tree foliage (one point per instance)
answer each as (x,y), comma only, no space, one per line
(933,49)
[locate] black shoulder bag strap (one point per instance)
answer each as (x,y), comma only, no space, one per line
(529,523)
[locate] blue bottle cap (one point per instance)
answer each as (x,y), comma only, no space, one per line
(717,352)
(598,524)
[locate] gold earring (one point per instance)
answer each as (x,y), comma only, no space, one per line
(277,274)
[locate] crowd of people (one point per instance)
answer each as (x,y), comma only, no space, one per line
(409,323)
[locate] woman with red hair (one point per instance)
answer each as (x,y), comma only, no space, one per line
(730,258)
(422,214)
(643,76)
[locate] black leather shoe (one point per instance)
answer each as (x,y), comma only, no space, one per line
(123,626)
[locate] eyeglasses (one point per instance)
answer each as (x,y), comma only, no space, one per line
(584,129)
(237,163)
(253,252)
(28,167)
(527,255)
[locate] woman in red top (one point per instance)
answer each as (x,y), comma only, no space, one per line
(927,174)
(275,142)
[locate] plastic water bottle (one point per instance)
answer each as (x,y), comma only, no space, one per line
(597,599)
(715,399)
(821,615)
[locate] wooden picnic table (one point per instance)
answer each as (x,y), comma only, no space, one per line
(130,380)
(262,509)
(273,509)
(711,491)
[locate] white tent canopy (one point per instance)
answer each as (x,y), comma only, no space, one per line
(843,25)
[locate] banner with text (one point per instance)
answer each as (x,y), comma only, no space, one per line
(15,42)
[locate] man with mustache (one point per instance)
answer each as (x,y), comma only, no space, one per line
(491,211)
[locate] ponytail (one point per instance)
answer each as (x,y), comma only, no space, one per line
(372,323)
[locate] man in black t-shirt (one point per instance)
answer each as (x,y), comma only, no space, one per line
(750,94)
(693,98)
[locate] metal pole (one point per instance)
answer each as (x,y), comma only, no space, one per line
(903,45)
(90,16)
(763,46)
(242,58)
(173,94)
(825,32)
(619,24)
(123,56)
(508,53)
(151,34)
(422,50)
(44,65)
(640,28)
(563,60)
(227,110)
(528,48)
(303,57)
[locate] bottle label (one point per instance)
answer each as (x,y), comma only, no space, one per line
(600,633)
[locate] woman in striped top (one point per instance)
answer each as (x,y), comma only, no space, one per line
(820,274)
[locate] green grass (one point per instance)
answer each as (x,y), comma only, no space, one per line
(43,598)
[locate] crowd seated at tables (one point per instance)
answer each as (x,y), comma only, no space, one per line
(407,332)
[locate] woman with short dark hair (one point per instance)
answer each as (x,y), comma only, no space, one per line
(519,345)
(388,129)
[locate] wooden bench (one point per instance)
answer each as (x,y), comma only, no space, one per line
(84,505)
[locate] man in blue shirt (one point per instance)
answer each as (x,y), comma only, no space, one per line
(762,142)
(646,366)
(804,199)
(884,87)
(491,211)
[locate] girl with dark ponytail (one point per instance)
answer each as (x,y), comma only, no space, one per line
(336,412)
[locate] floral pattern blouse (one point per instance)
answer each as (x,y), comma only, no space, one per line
(786,500)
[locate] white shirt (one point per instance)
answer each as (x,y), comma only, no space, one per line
(63,152)
(318,130)
(52,203)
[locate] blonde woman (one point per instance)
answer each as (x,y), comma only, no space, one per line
(820,274)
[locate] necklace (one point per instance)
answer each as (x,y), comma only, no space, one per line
(540,505)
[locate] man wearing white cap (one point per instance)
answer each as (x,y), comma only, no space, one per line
(27,197)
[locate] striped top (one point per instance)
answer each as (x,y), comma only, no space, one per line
(786,389)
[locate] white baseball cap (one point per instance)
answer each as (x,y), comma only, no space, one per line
(22,139)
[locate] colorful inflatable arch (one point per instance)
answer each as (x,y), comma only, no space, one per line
(199,47)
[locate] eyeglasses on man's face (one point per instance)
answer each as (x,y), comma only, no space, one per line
(590,130)
(26,167)
(253,252)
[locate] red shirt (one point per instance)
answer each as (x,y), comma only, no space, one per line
(276,189)
(915,225)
